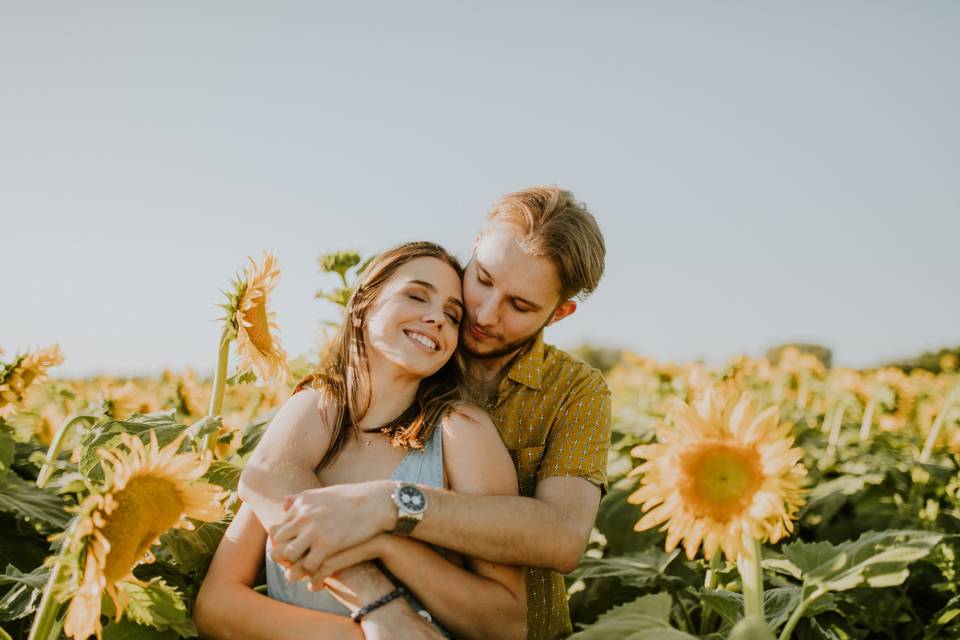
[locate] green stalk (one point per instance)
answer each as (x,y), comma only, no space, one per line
(45,625)
(835,425)
(751,576)
(868,418)
(802,392)
(938,424)
(219,385)
(56,446)
(798,613)
(710,583)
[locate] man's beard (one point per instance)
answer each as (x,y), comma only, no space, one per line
(506,349)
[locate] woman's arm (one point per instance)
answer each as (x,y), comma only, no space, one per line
(489,599)
(227,607)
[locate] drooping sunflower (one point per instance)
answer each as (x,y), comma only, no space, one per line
(721,472)
(253,324)
(190,396)
(147,491)
(24,371)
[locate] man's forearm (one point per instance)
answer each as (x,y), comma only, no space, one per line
(505,529)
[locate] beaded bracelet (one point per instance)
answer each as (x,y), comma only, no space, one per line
(376,604)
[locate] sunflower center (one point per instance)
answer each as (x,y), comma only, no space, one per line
(260,331)
(146,508)
(719,480)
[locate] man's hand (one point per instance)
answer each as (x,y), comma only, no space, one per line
(320,523)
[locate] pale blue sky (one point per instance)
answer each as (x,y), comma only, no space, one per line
(762,171)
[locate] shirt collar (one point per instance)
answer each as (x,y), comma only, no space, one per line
(527,367)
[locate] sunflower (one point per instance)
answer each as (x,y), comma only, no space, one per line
(24,371)
(123,400)
(190,395)
(148,490)
(723,472)
(252,323)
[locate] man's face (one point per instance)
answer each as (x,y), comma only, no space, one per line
(509,296)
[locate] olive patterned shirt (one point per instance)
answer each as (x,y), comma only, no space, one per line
(553,413)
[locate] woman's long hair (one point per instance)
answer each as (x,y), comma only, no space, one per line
(344,374)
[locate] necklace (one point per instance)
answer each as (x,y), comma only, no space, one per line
(369,443)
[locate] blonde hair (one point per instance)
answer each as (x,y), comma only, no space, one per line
(554,225)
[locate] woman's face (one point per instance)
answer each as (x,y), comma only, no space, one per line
(415,319)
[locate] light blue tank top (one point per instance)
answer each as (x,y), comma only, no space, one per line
(419,466)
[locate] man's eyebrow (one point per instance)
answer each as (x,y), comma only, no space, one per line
(430,286)
(534,306)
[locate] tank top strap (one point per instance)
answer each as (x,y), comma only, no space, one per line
(425,465)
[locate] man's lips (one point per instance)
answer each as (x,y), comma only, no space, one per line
(477,334)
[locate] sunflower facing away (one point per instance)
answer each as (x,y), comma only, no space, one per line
(27,369)
(722,472)
(252,323)
(148,491)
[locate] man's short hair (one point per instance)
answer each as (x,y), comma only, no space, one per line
(554,225)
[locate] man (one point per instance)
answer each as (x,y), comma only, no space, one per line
(538,250)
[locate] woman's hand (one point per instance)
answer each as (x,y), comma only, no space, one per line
(376,547)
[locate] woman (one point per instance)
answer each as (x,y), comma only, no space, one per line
(385,404)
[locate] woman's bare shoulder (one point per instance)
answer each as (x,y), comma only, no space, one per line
(301,427)
(475,458)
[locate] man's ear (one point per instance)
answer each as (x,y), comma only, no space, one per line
(562,311)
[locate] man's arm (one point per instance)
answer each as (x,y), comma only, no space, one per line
(550,530)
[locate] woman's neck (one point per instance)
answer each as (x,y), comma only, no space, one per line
(391,390)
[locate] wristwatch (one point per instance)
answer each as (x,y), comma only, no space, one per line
(411,505)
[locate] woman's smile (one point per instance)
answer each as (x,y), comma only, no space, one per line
(422,340)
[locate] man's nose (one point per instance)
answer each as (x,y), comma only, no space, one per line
(487,312)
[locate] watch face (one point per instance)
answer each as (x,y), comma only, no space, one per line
(412,499)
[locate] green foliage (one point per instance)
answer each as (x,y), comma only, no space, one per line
(157,605)
(646,618)
(341,262)
(877,559)
(6,450)
(40,506)
(22,598)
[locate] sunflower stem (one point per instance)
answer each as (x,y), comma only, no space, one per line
(836,422)
(56,445)
(220,377)
(802,392)
(751,575)
(219,385)
(868,418)
(938,424)
(45,625)
(688,622)
(798,613)
(710,583)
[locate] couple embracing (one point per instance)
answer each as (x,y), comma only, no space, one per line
(444,466)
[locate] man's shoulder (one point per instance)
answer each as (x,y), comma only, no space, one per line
(566,369)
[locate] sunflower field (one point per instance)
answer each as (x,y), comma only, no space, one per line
(766,498)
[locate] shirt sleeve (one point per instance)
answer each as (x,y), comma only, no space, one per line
(579,439)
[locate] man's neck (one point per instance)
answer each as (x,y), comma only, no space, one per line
(483,375)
